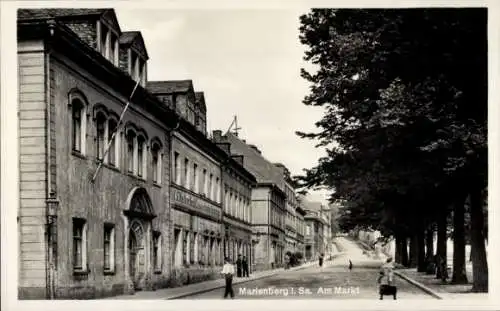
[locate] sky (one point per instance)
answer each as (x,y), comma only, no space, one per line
(247,62)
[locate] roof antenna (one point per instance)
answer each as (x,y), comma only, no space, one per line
(236,128)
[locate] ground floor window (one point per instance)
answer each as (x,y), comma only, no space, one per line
(79,244)
(185,255)
(253,252)
(221,252)
(109,247)
(211,251)
(192,238)
(178,248)
(201,255)
(157,251)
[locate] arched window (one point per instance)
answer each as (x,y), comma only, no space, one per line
(101,121)
(78,125)
(156,159)
(141,145)
(130,139)
(113,150)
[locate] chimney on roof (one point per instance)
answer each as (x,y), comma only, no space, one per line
(217,135)
(255,148)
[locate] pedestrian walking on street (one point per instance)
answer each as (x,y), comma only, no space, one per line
(239,266)
(228,272)
(245,267)
(321,260)
(386,280)
(350,265)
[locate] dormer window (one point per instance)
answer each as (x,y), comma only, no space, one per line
(108,44)
(113,56)
(137,68)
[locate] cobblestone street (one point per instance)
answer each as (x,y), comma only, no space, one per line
(334,281)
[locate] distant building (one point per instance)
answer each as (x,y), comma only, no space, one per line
(268,203)
(315,222)
(301,229)
(294,239)
(237,202)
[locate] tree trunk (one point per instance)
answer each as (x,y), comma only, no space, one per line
(478,247)
(398,256)
(413,251)
(429,249)
(441,251)
(420,239)
(404,251)
(459,275)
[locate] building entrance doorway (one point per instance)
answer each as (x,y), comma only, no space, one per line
(136,254)
(139,217)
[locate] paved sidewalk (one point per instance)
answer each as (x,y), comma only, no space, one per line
(191,289)
(444,291)
(435,287)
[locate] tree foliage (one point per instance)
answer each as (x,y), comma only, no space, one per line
(405,124)
(402,116)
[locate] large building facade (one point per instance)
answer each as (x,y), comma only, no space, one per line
(82,237)
(237,214)
(145,213)
(210,191)
(112,203)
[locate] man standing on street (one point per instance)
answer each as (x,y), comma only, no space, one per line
(245,267)
(239,265)
(228,272)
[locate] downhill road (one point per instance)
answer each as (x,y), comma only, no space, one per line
(332,281)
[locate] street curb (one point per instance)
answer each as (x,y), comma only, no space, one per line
(410,280)
(419,285)
(204,290)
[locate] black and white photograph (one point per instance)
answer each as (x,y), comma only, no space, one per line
(325,155)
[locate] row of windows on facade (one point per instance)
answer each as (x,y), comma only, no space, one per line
(291,198)
(80,240)
(108,46)
(136,144)
(295,222)
(196,248)
(187,174)
(277,216)
(237,206)
(277,199)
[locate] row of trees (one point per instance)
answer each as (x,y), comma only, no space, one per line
(405,126)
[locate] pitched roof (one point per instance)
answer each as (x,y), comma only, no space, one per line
(28,14)
(169,87)
(263,170)
(128,37)
(134,39)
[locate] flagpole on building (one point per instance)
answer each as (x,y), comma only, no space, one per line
(116,130)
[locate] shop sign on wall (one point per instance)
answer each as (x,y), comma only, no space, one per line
(192,202)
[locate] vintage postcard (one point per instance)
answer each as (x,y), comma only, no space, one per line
(301,155)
